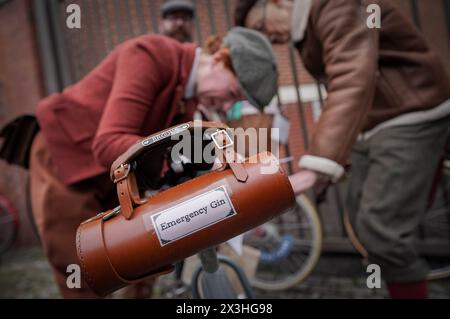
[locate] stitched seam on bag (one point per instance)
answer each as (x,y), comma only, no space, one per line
(89,279)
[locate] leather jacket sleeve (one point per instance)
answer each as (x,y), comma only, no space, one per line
(350,56)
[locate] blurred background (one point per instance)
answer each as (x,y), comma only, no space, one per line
(39,55)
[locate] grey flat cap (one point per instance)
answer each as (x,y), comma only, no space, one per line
(171,6)
(254,63)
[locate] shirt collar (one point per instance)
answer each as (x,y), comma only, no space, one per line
(300,16)
(189,91)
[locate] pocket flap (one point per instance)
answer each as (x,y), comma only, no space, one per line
(77,121)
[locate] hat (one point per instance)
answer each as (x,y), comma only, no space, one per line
(254,63)
(171,6)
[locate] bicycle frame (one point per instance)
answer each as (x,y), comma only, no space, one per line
(215,283)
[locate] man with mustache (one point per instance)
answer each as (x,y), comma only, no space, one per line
(177,20)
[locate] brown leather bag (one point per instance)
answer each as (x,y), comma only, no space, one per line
(144,237)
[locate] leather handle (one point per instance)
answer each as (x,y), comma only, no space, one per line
(127,190)
(163,137)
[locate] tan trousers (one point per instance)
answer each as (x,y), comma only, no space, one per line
(59,209)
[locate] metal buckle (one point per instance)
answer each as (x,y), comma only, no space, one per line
(111,214)
(221,147)
(127,168)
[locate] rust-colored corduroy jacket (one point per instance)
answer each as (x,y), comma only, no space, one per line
(135,91)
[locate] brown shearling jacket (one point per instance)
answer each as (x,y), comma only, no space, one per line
(372,75)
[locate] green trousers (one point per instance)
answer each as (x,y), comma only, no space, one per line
(391,178)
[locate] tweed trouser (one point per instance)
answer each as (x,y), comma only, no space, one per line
(58,210)
(391,178)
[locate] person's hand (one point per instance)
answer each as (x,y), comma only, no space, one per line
(306,179)
(320,188)
(303,181)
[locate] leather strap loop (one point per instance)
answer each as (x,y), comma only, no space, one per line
(126,204)
(127,191)
(134,190)
(229,156)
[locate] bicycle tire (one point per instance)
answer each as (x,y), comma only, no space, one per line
(352,236)
(273,279)
(439,273)
(9,224)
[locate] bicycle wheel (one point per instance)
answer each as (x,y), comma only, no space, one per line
(290,246)
(9,224)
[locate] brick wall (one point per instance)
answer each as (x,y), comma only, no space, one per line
(21,89)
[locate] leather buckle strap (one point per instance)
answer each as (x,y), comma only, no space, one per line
(121,173)
(224,144)
(126,204)
(225,137)
(127,190)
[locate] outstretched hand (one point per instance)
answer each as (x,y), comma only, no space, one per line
(303,181)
